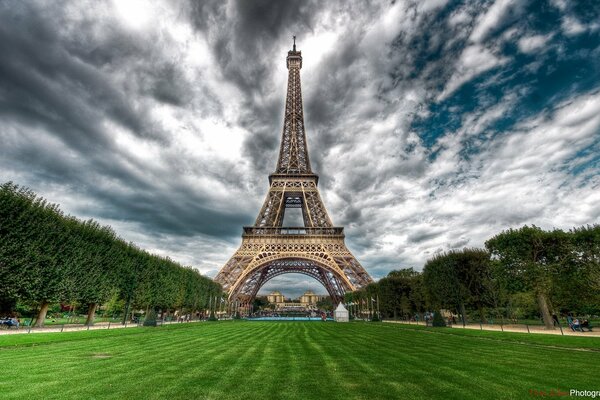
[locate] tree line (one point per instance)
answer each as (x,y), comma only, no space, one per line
(47,257)
(521,273)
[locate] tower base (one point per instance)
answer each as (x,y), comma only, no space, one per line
(268,252)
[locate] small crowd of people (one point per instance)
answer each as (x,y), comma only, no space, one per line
(185,318)
(428,317)
(9,322)
(578,325)
(575,324)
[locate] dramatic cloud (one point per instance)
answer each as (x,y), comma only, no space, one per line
(433,124)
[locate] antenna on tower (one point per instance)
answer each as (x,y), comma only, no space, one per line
(294,42)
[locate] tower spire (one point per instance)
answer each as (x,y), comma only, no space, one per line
(293,153)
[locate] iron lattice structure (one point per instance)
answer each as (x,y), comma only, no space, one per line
(316,249)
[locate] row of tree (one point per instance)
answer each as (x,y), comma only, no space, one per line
(558,270)
(48,257)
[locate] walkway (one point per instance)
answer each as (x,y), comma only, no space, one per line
(79,327)
(511,328)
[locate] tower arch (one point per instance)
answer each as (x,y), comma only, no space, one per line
(332,279)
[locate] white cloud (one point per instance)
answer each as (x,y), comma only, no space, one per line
(134,13)
(473,61)
(460,17)
(493,18)
(571,26)
(531,44)
(519,177)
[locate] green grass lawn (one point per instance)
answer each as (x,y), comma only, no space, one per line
(293,360)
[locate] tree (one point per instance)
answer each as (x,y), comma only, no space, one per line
(399,293)
(532,257)
(14,204)
(260,302)
(456,279)
(92,257)
(576,284)
(326,304)
(47,257)
(32,240)
(438,320)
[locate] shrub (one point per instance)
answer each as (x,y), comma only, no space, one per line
(150,319)
(438,320)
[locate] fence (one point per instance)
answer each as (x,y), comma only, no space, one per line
(80,327)
(506,327)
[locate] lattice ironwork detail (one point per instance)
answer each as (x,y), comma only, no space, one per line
(269,249)
(293,153)
(300,266)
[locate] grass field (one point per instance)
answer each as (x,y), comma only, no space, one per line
(293,360)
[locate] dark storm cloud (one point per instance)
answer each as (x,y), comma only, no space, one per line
(244,36)
(168,85)
(339,78)
(423,235)
(178,212)
(67,86)
(43,82)
(122,195)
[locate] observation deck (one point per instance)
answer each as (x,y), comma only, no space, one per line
(336,231)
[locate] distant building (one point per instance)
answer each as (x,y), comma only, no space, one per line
(276,297)
(309,298)
(307,302)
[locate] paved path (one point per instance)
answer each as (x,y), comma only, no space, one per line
(486,327)
(74,327)
(512,328)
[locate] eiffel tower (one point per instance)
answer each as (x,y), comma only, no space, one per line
(269,249)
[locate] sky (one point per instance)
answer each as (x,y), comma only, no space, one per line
(433,124)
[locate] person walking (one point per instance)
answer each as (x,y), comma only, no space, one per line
(555,320)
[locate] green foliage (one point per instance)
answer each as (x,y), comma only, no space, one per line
(150,318)
(212,316)
(48,257)
(115,305)
(522,273)
(326,304)
(581,271)
(522,305)
(527,255)
(260,302)
(457,279)
(559,268)
(400,294)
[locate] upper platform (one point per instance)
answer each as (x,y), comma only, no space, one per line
(336,231)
